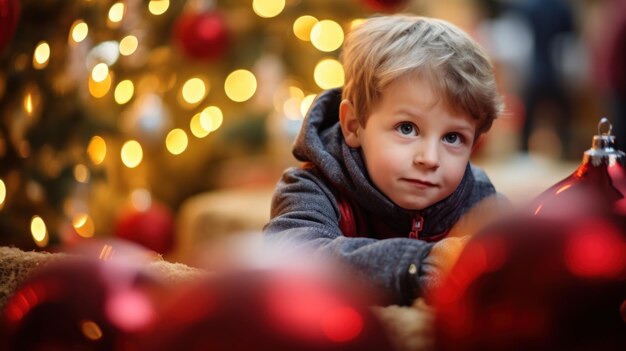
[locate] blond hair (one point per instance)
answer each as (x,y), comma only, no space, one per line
(385,48)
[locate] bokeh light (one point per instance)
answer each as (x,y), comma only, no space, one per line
(268,8)
(97,149)
(194,90)
(41,55)
(100,89)
(3,193)
(196,127)
(83,225)
(302,27)
(131,153)
(100,72)
(79,31)
(128,45)
(124,91)
(38,231)
(329,74)
(211,118)
(240,85)
(158,7)
(176,141)
(116,12)
(306,103)
(327,35)
(81,173)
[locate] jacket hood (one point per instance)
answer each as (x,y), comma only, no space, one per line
(321,143)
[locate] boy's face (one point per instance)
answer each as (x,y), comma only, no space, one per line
(416,147)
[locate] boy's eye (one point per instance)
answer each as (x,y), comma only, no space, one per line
(453,138)
(406,129)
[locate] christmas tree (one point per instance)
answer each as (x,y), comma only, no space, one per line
(110,107)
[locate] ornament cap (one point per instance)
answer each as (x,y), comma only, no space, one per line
(602,149)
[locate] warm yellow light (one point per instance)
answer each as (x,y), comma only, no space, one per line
(158,7)
(124,91)
(327,35)
(211,118)
(306,103)
(356,22)
(196,126)
(84,225)
(100,89)
(291,108)
(41,55)
(128,45)
(268,8)
(302,27)
(328,74)
(116,13)
(28,103)
(176,141)
(141,199)
(240,85)
(97,149)
(132,153)
(100,72)
(3,193)
(81,173)
(79,31)
(38,231)
(194,90)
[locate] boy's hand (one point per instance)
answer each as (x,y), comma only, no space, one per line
(439,262)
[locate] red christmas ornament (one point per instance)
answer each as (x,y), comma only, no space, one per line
(271,309)
(385,5)
(601,175)
(202,36)
(79,304)
(152,228)
(9,17)
(539,283)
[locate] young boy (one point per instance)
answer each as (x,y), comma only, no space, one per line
(386,169)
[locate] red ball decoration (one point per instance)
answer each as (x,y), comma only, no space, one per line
(9,16)
(385,5)
(79,304)
(265,309)
(152,228)
(601,175)
(539,283)
(202,36)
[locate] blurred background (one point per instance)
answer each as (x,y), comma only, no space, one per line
(168,123)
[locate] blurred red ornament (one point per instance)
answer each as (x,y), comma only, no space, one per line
(9,16)
(601,175)
(79,304)
(385,5)
(152,228)
(202,36)
(539,283)
(260,310)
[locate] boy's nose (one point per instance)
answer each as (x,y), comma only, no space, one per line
(427,154)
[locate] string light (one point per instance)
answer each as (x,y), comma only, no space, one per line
(327,35)
(124,91)
(38,231)
(131,153)
(41,55)
(176,141)
(302,27)
(97,149)
(328,74)
(268,8)
(158,7)
(240,85)
(128,45)
(79,31)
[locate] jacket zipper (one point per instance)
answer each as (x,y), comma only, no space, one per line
(416,226)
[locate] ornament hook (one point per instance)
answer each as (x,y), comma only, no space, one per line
(605,122)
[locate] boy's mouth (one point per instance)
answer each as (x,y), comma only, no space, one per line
(420,183)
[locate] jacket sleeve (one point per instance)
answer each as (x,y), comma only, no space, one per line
(304,215)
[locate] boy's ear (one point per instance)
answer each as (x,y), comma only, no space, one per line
(350,126)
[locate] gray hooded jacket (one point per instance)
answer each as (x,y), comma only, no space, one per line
(305,209)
